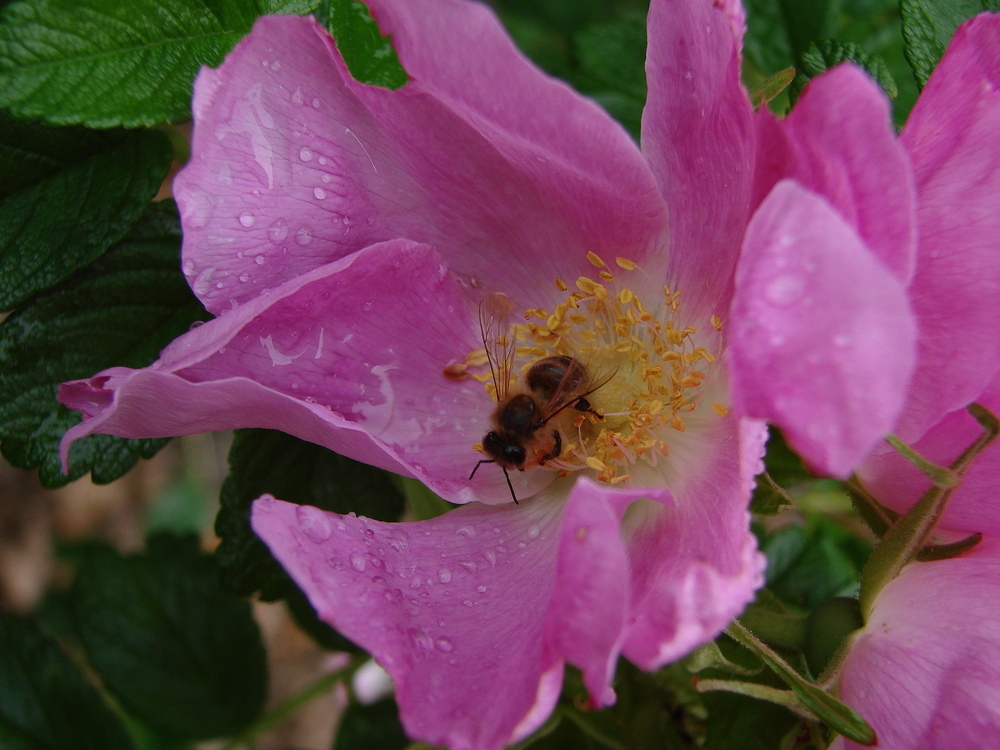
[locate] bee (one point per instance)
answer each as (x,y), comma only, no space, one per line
(522,434)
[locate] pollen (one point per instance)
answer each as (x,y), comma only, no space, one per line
(651,376)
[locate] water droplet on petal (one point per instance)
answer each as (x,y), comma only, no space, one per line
(468,603)
(358,562)
(466,531)
(315,103)
(259,260)
(491,556)
(319,192)
(468,565)
(785,290)
(336,563)
(187,267)
(276,66)
(533,531)
(315,524)
(306,154)
(278,230)
(247,219)
(303,236)
(481,589)
(444,644)
(444,575)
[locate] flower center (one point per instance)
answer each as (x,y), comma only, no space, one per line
(645,376)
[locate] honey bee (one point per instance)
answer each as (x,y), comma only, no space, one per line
(521,434)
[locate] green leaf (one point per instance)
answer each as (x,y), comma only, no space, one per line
(45,704)
(120,311)
(104,62)
(74,208)
(373,726)
(928,26)
(808,20)
(809,565)
(612,57)
(266,461)
(369,55)
(736,722)
(829,53)
(179,652)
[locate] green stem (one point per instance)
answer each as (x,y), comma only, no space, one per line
(902,542)
(939,475)
(812,698)
(291,705)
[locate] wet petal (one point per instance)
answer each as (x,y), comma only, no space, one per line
(473,613)
(838,142)
(506,172)
(350,356)
(953,138)
(695,563)
(822,338)
(697,134)
(925,671)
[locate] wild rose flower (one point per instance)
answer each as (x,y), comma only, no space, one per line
(925,670)
(924,206)
(346,237)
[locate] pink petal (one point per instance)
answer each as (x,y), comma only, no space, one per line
(472,613)
(698,136)
(695,564)
(839,142)
(974,506)
(822,338)
(953,137)
(510,175)
(925,671)
(350,356)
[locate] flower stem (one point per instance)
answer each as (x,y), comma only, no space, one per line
(292,704)
(902,542)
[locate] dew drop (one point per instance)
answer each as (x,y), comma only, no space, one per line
(444,644)
(244,277)
(468,565)
(335,562)
(358,562)
(491,557)
(468,603)
(533,531)
(187,267)
(467,531)
(306,154)
(278,230)
(315,524)
(444,575)
(326,178)
(276,66)
(303,237)
(259,260)
(785,290)
(315,103)
(297,96)
(247,219)
(319,192)
(481,589)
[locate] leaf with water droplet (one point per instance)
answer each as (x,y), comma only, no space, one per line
(62,334)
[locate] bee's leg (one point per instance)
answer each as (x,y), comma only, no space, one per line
(584,406)
(556,449)
(505,475)
(484,461)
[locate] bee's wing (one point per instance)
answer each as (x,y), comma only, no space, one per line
(572,388)
(498,340)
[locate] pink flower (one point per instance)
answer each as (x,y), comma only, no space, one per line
(346,236)
(925,669)
(923,207)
